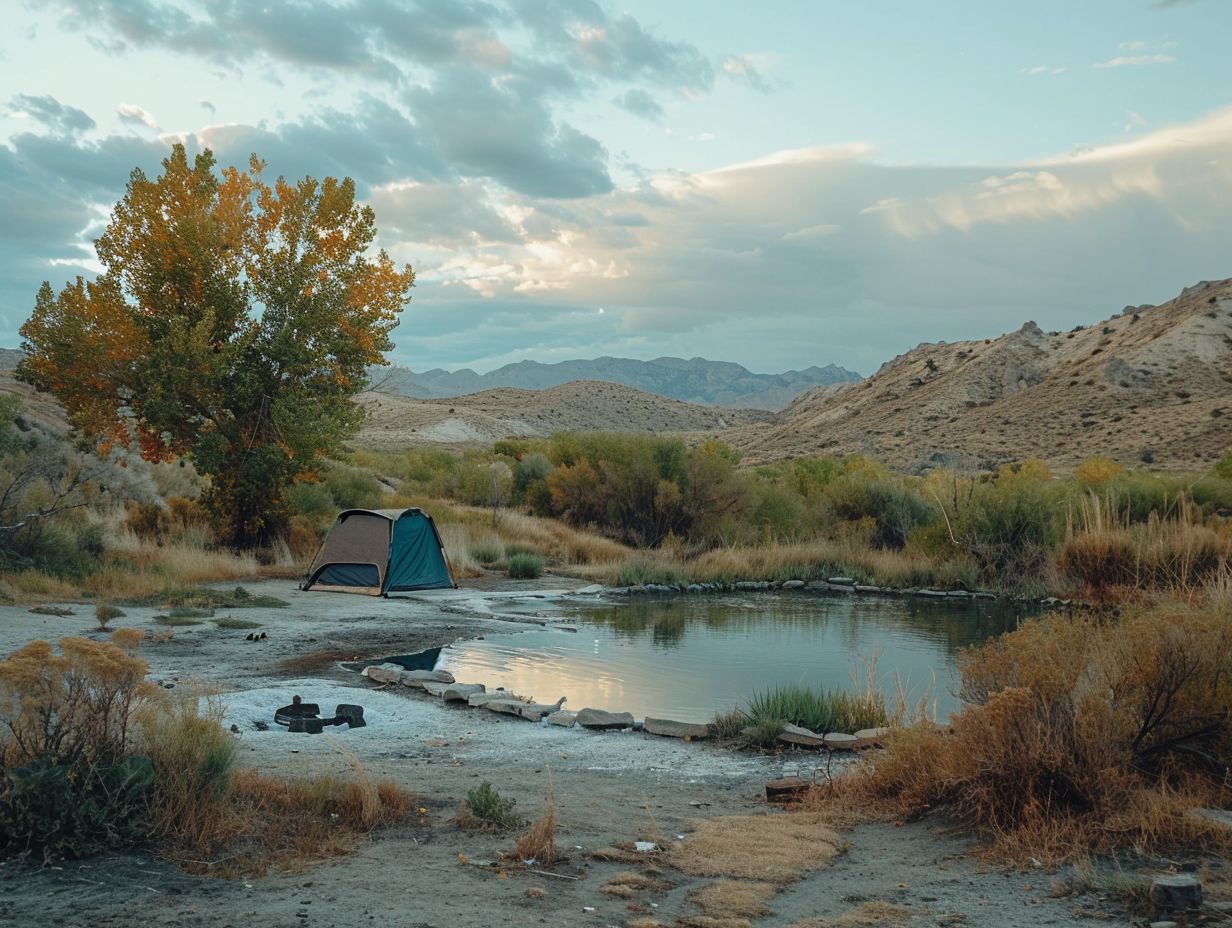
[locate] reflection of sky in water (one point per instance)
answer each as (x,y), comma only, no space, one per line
(688,658)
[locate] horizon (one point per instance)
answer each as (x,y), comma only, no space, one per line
(576,180)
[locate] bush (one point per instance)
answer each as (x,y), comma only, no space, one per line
(486,553)
(822,711)
(1080,736)
(525,566)
(484,807)
(352,488)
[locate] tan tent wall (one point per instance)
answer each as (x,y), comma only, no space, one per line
(358,537)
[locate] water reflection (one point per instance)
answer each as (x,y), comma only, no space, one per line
(687,658)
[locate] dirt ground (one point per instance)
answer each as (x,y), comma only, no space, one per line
(610,788)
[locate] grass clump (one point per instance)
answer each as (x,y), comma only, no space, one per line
(486,553)
(818,710)
(776,848)
(485,808)
(537,845)
(233,624)
(207,598)
(1080,736)
(104,613)
(60,611)
(176,621)
(525,566)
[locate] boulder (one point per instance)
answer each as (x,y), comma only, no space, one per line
(433,688)
(590,590)
(794,734)
(1220,817)
(562,717)
(417,678)
(836,741)
(842,581)
(671,729)
(599,720)
(864,588)
(461,692)
(793,584)
(1176,892)
(871,737)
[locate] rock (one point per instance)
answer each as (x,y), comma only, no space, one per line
(864,588)
(636,589)
(599,720)
(746,586)
(432,688)
(794,734)
(959,594)
(843,581)
(930,592)
(871,737)
(695,588)
(461,692)
(591,590)
(793,584)
(836,741)
(536,711)
(671,729)
(788,789)
(1176,892)
(562,717)
(482,699)
(417,678)
(505,706)
(1164,925)
(383,673)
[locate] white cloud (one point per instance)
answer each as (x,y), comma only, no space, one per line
(130,112)
(1041,69)
(1134,61)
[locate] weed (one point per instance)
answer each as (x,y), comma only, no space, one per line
(60,611)
(538,843)
(525,566)
(775,848)
(104,613)
(484,807)
(176,621)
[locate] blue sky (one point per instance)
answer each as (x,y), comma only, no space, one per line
(779,184)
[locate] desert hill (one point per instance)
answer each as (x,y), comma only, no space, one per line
(696,380)
(396,421)
(1150,385)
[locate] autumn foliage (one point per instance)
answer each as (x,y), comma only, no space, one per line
(233,323)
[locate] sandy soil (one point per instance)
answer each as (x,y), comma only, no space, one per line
(610,788)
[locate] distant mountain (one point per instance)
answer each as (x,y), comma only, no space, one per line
(1151,385)
(696,380)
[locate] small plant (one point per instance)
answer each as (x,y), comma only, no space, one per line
(104,613)
(730,724)
(236,624)
(484,807)
(60,611)
(525,566)
(486,553)
(537,846)
(176,621)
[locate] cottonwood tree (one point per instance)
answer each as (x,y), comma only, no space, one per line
(233,324)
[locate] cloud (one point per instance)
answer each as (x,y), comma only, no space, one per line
(641,103)
(208,107)
(56,116)
(131,113)
(743,69)
(1134,61)
(1041,69)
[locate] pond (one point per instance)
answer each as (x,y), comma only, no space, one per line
(687,658)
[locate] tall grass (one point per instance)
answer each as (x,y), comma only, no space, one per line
(819,710)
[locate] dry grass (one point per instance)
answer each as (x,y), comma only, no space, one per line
(1103,550)
(1081,736)
(734,898)
(34,586)
(866,915)
(538,842)
(775,848)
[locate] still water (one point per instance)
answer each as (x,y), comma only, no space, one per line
(688,658)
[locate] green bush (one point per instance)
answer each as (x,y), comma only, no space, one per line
(486,553)
(484,807)
(312,500)
(818,710)
(525,566)
(353,488)
(51,811)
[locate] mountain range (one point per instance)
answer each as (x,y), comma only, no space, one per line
(696,380)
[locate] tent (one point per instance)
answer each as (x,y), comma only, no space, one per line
(380,551)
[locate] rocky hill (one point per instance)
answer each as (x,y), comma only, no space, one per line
(1152,384)
(696,380)
(585,406)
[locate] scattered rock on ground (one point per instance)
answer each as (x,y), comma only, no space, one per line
(562,717)
(671,729)
(836,741)
(1176,892)
(461,692)
(871,737)
(417,678)
(600,720)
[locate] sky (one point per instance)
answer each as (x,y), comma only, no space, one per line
(779,184)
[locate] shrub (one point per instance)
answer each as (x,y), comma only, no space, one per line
(148,521)
(103,613)
(1080,735)
(525,566)
(351,487)
(486,553)
(818,710)
(484,807)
